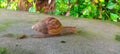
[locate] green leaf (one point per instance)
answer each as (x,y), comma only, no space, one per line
(34,5)
(87,0)
(13,6)
(30,1)
(102,1)
(32,9)
(3,51)
(114,17)
(86,12)
(118,1)
(117,7)
(89,8)
(111,5)
(3,3)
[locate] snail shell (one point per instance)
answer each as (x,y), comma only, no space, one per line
(50,25)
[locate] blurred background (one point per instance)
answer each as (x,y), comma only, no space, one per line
(92,9)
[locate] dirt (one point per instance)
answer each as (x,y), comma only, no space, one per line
(93,37)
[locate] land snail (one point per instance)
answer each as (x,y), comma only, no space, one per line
(51,26)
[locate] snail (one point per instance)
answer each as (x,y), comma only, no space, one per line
(50,27)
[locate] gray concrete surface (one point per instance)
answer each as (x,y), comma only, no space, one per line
(94,36)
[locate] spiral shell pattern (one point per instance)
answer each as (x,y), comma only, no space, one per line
(54,26)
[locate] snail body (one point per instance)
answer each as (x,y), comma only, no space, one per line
(52,27)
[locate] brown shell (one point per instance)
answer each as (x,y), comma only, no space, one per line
(52,26)
(40,27)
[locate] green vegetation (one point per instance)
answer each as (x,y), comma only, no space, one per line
(92,9)
(96,9)
(117,37)
(4,51)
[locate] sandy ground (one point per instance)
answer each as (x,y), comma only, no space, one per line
(94,36)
